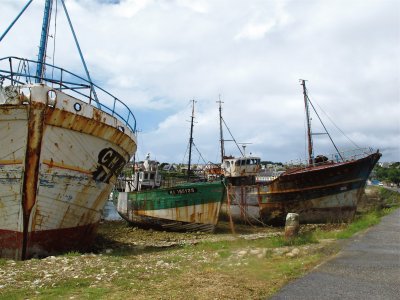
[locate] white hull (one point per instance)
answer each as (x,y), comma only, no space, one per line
(58,162)
(242,204)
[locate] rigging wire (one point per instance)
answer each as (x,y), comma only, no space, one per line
(184,157)
(350,140)
(54,43)
(15,20)
(232,137)
(323,125)
(200,156)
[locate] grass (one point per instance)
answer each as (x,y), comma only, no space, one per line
(392,199)
(79,289)
(302,239)
(225,269)
(73,254)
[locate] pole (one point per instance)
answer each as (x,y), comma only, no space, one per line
(221,134)
(309,137)
(43,41)
(190,140)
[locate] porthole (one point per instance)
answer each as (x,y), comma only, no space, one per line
(120,128)
(77,106)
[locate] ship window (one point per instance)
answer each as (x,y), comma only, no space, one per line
(237,163)
(152,176)
(248,162)
(77,106)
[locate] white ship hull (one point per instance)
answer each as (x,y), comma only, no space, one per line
(59,158)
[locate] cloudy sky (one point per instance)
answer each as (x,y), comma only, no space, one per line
(158,55)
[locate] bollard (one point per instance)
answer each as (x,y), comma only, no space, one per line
(291,226)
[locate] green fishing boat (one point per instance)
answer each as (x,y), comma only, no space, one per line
(185,207)
(148,201)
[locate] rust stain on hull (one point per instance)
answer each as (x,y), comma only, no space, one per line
(93,127)
(52,164)
(52,198)
(10,162)
(327,193)
(32,158)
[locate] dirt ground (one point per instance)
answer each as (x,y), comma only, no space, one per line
(132,263)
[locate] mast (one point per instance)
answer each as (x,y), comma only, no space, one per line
(43,41)
(191,139)
(309,134)
(221,134)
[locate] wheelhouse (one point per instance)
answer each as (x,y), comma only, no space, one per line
(242,166)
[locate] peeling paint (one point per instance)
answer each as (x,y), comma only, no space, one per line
(49,199)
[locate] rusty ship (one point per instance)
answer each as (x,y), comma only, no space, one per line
(151,202)
(324,192)
(61,152)
(322,189)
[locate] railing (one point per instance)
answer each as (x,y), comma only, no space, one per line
(18,71)
(349,155)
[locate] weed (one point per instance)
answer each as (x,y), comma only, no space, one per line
(302,239)
(2,262)
(72,254)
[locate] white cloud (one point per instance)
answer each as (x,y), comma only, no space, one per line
(129,8)
(157,55)
(255,31)
(199,6)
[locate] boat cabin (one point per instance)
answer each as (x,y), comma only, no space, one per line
(241,166)
(146,177)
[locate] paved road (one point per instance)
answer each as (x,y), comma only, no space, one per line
(368,267)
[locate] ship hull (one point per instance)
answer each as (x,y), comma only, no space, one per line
(320,194)
(58,162)
(241,204)
(187,207)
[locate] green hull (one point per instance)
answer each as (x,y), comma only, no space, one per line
(186,207)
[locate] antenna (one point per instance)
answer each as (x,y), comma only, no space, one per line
(244,145)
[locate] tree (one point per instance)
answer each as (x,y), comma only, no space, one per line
(390,174)
(393,175)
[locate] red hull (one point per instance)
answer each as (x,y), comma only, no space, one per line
(48,242)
